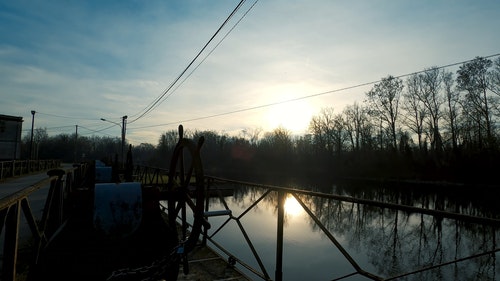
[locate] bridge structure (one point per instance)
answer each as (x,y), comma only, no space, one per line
(79,222)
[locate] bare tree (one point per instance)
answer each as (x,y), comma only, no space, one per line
(429,94)
(415,110)
(338,134)
(495,77)
(452,107)
(383,99)
(319,127)
(355,120)
(328,130)
(473,80)
(39,137)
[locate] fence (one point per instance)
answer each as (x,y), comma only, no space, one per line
(214,185)
(61,182)
(282,192)
(18,168)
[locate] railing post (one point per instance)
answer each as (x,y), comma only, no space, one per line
(50,224)
(278,275)
(11,243)
(207,202)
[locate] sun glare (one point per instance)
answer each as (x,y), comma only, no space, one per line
(288,111)
(293,116)
(292,207)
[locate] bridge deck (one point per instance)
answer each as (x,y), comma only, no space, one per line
(78,254)
(206,265)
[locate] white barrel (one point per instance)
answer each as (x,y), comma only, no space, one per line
(117,208)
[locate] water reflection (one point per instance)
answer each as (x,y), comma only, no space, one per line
(384,242)
(292,207)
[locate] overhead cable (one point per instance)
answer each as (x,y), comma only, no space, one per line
(208,54)
(303,97)
(152,105)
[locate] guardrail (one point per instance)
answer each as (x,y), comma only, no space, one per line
(280,193)
(61,182)
(16,168)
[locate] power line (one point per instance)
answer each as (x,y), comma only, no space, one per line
(99,130)
(303,97)
(66,117)
(150,107)
(209,53)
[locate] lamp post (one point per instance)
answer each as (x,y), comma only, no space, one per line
(123,127)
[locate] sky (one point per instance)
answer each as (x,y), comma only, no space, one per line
(274,64)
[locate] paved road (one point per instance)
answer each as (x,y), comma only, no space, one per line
(13,185)
(36,199)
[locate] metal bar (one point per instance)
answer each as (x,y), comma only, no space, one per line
(252,248)
(345,276)
(254,204)
(217,213)
(278,275)
(444,264)
(39,237)
(48,206)
(13,198)
(406,208)
(3,216)
(30,219)
(245,265)
(220,227)
(207,202)
(182,202)
(336,243)
(11,243)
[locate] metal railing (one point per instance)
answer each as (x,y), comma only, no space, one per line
(282,192)
(277,195)
(17,168)
(61,182)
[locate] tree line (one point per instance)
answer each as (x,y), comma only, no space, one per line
(434,125)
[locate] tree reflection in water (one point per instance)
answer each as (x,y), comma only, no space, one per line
(391,242)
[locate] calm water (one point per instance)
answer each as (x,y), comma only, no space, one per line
(383,242)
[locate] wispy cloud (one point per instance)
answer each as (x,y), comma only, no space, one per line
(108,59)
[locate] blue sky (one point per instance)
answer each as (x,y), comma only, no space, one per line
(74,62)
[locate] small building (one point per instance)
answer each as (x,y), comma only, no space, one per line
(10,137)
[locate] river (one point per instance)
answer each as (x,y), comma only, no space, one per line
(382,241)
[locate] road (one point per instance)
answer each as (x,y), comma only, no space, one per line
(36,199)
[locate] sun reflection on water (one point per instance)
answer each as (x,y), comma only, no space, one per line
(292,206)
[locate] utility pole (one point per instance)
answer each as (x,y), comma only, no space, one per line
(32,125)
(124,124)
(76,142)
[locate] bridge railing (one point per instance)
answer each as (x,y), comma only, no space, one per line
(54,214)
(15,168)
(279,194)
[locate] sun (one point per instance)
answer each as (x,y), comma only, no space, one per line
(294,116)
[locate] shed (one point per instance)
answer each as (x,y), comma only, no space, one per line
(10,137)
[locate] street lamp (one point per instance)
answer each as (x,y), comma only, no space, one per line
(123,127)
